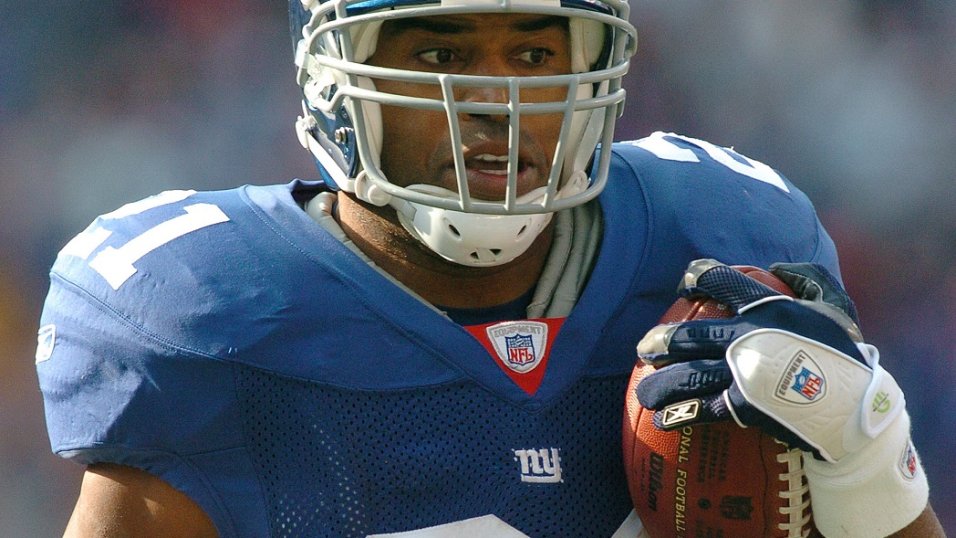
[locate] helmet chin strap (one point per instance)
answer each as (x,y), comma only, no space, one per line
(476,240)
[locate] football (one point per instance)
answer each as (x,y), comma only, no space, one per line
(712,480)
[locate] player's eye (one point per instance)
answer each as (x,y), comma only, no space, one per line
(536,56)
(437,56)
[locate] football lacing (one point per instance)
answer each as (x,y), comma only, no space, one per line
(797,494)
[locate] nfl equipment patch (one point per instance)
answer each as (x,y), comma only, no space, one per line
(520,348)
(520,345)
(802,382)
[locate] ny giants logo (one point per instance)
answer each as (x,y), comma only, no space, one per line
(539,466)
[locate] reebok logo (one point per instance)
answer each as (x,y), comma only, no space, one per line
(46,340)
(539,466)
(680,413)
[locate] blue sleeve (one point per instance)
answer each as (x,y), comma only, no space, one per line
(121,381)
(111,391)
(113,395)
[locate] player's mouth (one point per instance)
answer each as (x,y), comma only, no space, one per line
(488,175)
(495,165)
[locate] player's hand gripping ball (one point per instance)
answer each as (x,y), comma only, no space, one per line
(690,472)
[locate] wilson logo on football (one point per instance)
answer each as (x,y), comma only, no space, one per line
(802,381)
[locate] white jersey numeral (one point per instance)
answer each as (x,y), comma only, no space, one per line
(660,145)
(117,264)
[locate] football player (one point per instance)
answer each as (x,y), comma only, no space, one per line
(434,338)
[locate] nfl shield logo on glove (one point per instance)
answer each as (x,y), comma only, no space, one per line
(909,465)
(802,381)
(808,384)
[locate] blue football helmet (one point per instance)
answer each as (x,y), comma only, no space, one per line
(342,126)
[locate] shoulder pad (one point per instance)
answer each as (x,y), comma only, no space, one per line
(168,264)
(707,201)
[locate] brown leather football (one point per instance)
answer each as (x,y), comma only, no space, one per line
(712,480)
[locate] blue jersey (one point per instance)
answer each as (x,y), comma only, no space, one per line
(227,343)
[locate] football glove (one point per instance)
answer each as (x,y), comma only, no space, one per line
(798,369)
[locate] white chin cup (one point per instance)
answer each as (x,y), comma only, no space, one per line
(478,240)
(471,239)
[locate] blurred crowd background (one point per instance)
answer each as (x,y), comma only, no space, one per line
(104,102)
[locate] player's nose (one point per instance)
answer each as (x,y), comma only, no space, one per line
(496,93)
(495,99)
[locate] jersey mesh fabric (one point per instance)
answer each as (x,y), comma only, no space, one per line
(336,462)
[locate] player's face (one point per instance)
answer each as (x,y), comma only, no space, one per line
(416,145)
